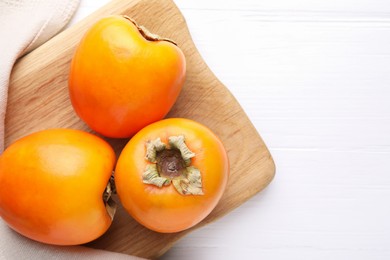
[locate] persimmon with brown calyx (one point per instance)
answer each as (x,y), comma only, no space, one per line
(122,77)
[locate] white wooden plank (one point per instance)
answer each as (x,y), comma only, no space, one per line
(321,205)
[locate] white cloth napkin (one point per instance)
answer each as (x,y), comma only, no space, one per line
(24,25)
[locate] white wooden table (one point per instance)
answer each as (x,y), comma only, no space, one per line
(314,78)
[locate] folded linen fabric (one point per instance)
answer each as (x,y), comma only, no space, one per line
(24,25)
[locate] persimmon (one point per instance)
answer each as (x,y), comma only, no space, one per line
(122,77)
(55,186)
(172,174)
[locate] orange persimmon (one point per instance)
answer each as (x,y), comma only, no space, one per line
(172,174)
(54,186)
(123,78)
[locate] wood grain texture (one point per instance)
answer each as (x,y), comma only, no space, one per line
(38,99)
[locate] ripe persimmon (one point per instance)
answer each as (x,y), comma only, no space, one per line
(172,174)
(55,186)
(123,78)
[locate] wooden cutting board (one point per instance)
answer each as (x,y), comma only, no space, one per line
(38,99)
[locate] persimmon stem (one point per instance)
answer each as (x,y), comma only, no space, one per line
(147,34)
(172,164)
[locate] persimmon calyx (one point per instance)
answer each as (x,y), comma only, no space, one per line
(152,147)
(108,201)
(190,185)
(178,143)
(151,176)
(147,34)
(172,164)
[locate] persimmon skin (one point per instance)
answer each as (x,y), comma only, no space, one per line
(119,82)
(164,209)
(52,183)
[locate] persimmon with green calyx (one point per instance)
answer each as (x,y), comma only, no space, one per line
(55,186)
(122,77)
(172,174)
